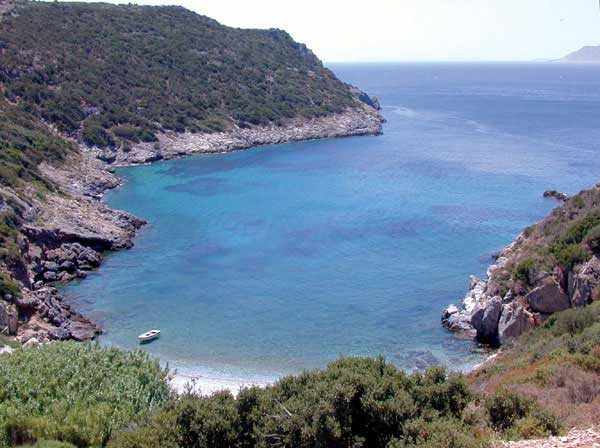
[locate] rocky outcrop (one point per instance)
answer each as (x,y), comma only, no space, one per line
(548,298)
(558,195)
(485,317)
(583,281)
(8,318)
(528,282)
(47,317)
(515,320)
(354,122)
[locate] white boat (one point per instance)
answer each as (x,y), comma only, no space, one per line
(149,335)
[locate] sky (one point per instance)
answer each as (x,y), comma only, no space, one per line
(417,30)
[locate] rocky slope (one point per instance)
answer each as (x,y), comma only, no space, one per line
(552,266)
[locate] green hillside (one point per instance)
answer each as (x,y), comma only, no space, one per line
(106,72)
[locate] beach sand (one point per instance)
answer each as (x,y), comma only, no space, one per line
(205,385)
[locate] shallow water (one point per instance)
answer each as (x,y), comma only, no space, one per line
(265,262)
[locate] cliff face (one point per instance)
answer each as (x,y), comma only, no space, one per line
(552,266)
(121,85)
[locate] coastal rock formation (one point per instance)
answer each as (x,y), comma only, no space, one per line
(550,267)
(558,195)
(353,122)
(583,281)
(515,320)
(548,298)
(47,317)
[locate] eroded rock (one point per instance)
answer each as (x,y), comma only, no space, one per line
(548,298)
(514,321)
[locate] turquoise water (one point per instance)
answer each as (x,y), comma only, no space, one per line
(265,262)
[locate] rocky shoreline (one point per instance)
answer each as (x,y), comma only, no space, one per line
(67,232)
(526,284)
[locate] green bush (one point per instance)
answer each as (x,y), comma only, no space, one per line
(95,135)
(126,132)
(506,407)
(9,286)
(573,321)
(592,239)
(570,255)
(524,270)
(52,444)
(76,393)
(538,424)
(354,401)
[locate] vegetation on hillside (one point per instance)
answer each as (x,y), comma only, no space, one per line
(568,237)
(558,364)
(115,73)
(84,395)
(24,143)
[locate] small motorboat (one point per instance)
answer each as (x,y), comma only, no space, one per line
(149,335)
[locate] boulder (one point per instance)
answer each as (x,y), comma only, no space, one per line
(50,276)
(558,195)
(68,255)
(50,266)
(514,321)
(458,321)
(83,331)
(583,282)
(485,319)
(67,266)
(548,298)
(89,257)
(31,343)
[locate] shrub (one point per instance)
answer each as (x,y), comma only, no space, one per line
(95,135)
(573,321)
(506,407)
(52,444)
(77,393)
(9,286)
(354,401)
(147,135)
(126,132)
(570,255)
(538,424)
(592,239)
(524,270)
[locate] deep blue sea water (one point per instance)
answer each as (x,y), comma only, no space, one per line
(265,262)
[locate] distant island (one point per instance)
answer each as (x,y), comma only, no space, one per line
(588,54)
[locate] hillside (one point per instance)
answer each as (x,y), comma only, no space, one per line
(586,54)
(110,74)
(89,86)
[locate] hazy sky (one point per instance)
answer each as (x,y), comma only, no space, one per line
(400,30)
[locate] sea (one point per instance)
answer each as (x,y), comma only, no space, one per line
(267,262)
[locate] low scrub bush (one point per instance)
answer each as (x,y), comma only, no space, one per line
(353,402)
(524,270)
(506,407)
(570,255)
